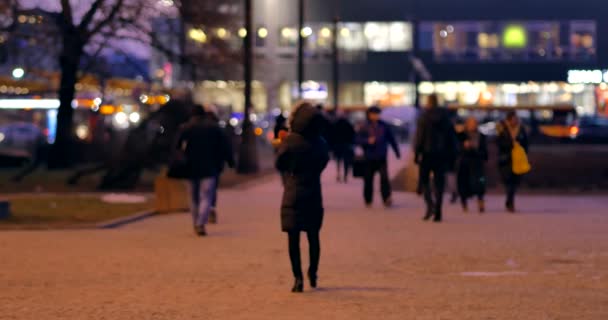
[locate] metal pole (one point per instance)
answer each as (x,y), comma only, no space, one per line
(336,60)
(248,157)
(300,47)
(416,77)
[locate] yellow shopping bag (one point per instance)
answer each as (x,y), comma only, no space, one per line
(519,158)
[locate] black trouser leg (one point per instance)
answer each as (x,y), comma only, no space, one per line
(368,182)
(347,165)
(294,254)
(424,184)
(512,184)
(214,197)
(439,183)
(339,163)
(385,184)
(315,252)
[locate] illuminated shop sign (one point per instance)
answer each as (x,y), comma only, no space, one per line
(515,36)
(587,76)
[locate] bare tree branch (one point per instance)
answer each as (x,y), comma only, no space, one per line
(108,20)
(66,9)
(88,17)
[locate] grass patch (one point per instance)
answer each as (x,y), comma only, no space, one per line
(58,211)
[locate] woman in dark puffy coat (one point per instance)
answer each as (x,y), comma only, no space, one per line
(471,165)
(301,158)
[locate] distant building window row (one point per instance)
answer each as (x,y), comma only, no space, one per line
(449,41)
(369,36)
(492,40)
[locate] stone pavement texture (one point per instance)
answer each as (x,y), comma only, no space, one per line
(550,261)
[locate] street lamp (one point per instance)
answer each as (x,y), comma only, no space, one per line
(18,73)
(248,156)
(300,47)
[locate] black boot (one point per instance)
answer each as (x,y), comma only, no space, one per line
(298,286)
(429,214)
(313,279)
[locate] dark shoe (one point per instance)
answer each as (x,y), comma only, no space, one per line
(482,206)
(388,202)
(213,216)
(465,208)
(510,206)
(200,231)
(436,220)
(313,280)
(428,216)
(298,286)
(454,198)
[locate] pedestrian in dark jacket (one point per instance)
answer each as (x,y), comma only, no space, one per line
(206,150)
(510,131)
(211,113)
(435,150)
(301,158)
(280,124)
(375,137)
(343,138)
(471,164)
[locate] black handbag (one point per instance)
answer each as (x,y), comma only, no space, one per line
(179,167)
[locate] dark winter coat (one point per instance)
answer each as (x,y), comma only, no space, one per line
(471,166)
(301,158)
(342,132)
(435,137)
(384,138)
(504,141)
(206,148)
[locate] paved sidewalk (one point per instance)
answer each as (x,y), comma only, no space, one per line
(548,262)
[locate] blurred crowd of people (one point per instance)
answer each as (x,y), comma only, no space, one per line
(307,140)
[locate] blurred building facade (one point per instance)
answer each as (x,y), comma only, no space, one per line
(476,52)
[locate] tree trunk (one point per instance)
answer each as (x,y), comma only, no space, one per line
(61,155)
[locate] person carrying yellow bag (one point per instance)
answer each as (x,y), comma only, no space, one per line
(513,160)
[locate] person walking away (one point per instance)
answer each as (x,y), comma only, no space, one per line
(435,149)
(471,164)
(511,135)
(206,150)
(301,158)
(280,125)
(211,113)
(451,174)
(343,138)
(375,137)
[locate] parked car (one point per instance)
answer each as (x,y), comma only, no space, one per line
(20,140)
(590,129)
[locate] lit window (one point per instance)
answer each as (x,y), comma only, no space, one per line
(222,33)
(377,36)
(306,32)
(352,37)
(400,36)
(262,34)
(288,37)
(388,94)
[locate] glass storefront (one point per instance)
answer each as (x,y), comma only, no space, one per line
(581,96)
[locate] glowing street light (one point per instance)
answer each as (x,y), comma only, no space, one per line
(18,73)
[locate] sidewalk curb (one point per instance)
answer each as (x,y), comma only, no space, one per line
(112,224)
